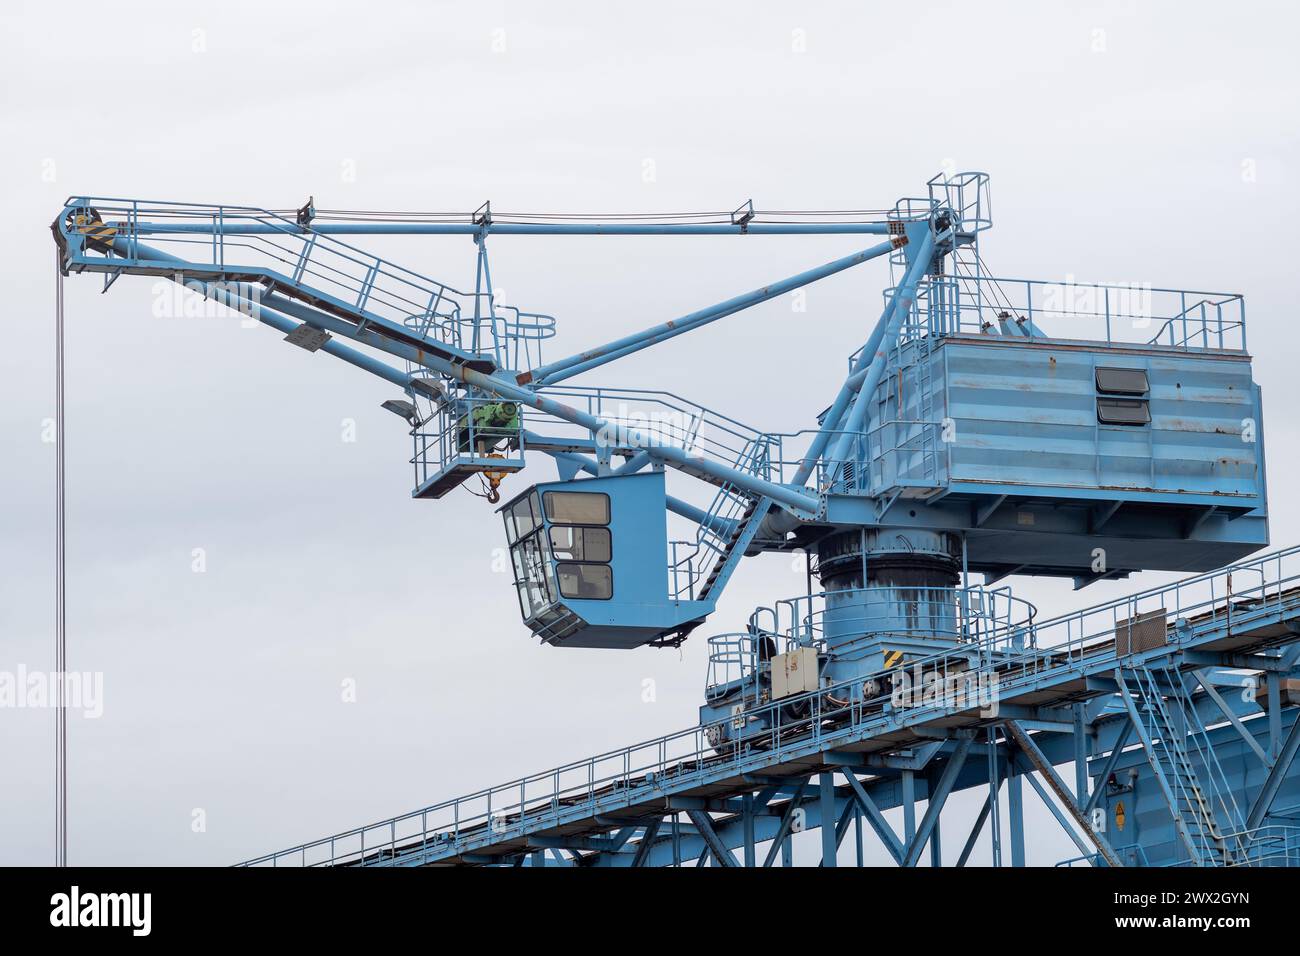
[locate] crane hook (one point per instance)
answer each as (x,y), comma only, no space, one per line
(493,479)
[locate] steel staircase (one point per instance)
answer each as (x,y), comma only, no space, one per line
(1164,734)
(742,534)
(730,526)
(729,548)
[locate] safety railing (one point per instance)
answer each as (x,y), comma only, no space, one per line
(851,620)
(521,334)
(1266,846)
(685,570)
(1133,854)
(967,194)
(663,419)
(479,430)
(329,273)
(1201,798)
(1242,593)
(735,659)
(1200,324)
(692,560)
(577,790)
(988,616)
(908,209)
(1112,313)
(894,454)
(574,792)
(1269,845)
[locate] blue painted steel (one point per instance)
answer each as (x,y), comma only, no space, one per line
(625,549)
(1061,655)
(900,306)
(524,229)
(986,426)
(593,358)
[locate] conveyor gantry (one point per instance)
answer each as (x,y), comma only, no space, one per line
(676,799)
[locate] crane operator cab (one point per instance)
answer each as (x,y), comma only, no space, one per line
(590,561)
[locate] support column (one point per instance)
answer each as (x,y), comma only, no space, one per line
(1274,684)
(1080,757)
(1016,815)
(909,806)
(995,785)
(828,818)
(857,835)
(748,811)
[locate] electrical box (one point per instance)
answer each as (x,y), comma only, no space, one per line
(794,672)
(1144,632)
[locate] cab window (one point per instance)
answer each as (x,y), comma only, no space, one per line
(576,507)
(581,543)
(591,582)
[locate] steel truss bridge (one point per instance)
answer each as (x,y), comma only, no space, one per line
(1077,693)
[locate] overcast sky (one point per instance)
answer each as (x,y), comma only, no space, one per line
(1151,143)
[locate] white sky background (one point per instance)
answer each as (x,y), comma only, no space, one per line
(222,690)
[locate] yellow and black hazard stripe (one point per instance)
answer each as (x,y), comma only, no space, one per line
(893,658)
(98,234)
(86,222)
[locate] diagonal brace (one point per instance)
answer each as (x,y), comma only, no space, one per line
(712,841)
(564,368)
(934,805)
(1044,767)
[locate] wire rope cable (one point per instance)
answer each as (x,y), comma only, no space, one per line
(60,581)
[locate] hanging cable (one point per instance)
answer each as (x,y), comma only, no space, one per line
(60,593)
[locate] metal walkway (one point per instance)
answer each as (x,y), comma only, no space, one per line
(843,763)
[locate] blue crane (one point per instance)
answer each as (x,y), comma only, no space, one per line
(987,426)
